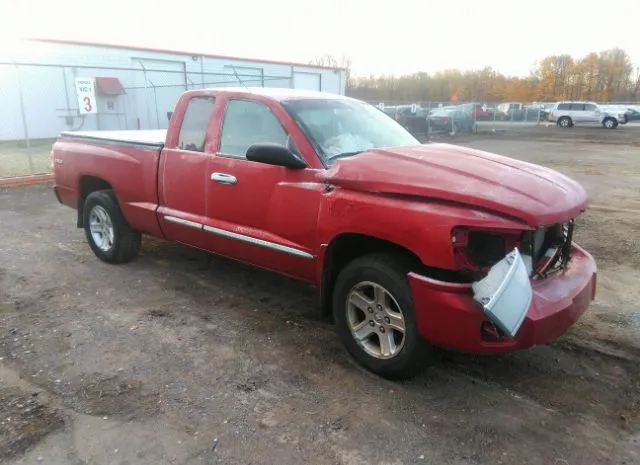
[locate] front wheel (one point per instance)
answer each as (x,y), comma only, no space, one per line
(565,122)
(109,235)
(376,317)
(610,123)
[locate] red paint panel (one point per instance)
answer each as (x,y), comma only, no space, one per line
(449,317)
(532,193)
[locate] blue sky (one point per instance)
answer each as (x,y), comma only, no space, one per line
(385,37)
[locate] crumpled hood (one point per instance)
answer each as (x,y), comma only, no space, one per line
(536,195)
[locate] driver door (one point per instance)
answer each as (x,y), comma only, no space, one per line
(262,214)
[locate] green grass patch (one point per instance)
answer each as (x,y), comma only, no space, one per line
(16,159)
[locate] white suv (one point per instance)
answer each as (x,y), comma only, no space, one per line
(567,114)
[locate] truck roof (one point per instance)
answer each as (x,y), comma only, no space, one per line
(276,93)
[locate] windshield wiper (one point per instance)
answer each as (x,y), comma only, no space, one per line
(344,154)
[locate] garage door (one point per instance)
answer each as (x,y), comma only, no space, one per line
(307,81)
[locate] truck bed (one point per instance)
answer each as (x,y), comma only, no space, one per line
(125,161)
(150,138)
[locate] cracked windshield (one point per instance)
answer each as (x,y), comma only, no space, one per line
(330,233)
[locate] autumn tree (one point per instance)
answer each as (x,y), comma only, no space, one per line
(604,76)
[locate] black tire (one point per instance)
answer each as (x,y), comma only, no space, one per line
(565,122)
(609,123)
(126,242)
(389,271)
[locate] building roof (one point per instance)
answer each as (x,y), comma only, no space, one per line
(181,52)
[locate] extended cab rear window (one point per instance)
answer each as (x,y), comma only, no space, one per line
(193,131)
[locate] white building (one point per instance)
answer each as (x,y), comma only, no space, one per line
(42,90)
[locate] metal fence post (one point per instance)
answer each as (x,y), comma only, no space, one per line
(24,120)
(453,119)
(538,121)
(475,119)
(495,115)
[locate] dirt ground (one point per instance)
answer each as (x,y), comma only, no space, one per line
(184,358)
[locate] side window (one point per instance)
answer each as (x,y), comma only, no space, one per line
(590,107)
(193,130)
(577,107)
(246,123)
(564,106)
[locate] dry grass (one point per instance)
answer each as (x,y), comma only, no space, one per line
(15,157)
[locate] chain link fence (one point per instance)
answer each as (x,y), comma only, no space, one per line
(37,102)
(426,118)
(472,117)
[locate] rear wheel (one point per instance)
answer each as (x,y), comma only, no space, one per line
(109,235)
(565,122)
(376,317)
(610,123)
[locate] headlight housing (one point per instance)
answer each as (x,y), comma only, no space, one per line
(477,250)
(544,250)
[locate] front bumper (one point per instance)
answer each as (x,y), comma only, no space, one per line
(448,317)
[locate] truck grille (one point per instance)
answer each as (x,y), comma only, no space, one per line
(549,248)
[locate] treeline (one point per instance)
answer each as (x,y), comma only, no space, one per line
(606,76)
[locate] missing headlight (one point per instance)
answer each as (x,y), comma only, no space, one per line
(485,249)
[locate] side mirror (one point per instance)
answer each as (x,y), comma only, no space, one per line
(275,154)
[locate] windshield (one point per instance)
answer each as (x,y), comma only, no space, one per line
(340,128)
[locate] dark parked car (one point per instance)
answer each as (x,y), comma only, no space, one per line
(634,113)
(414,122)
(543,110)
(451,120)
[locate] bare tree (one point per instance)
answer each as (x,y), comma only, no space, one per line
(636,84)
(333,62)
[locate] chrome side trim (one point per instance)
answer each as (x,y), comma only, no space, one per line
(258,242)
(180,221)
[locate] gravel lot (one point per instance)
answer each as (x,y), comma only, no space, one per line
(184,358)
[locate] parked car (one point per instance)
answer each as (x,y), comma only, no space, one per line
(414,121)
(634,112)
(622,110)
(510,111)
(451,120)
(410,245)
(541,111)
(478,111)
(567,114)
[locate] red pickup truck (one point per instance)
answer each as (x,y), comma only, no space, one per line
(410,245)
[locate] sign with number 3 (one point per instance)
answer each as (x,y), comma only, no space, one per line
(86,92)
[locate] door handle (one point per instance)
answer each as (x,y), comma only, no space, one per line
(223,178)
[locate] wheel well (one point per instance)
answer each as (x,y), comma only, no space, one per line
(87,185)
(347,247)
